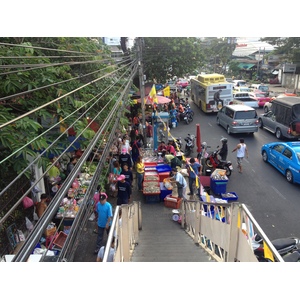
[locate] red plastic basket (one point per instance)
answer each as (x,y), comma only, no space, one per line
(60,239)
(172,204)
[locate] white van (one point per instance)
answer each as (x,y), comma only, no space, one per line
(261,87)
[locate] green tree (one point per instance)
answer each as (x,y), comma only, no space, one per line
(165,57)
(287,46)
(35,66)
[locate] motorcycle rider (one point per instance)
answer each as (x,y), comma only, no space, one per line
(224,149)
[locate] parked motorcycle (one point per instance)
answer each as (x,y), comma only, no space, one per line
(284,246)
(213,161)
(188,114)
(190,144)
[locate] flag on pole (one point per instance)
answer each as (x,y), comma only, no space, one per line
(152,95)
(167,91)
(267,252)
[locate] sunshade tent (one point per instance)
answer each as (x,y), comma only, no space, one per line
(160,99)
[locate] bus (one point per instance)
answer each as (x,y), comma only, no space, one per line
(203,88)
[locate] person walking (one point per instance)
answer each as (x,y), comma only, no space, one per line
(105,215)
(140,170)
(241,150)
(180,182)
(125,158)
(124,190)
(128,174)
(111,253)
(194,168)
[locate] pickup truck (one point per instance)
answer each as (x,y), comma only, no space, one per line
(244,98)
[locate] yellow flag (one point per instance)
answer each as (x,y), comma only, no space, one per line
(207,197)
(197,182)
(152,95)
(167,91)
(267,252)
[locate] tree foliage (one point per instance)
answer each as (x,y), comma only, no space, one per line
(287,46)
(33,67)
(165,57)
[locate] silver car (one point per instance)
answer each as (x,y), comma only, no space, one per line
(238,118)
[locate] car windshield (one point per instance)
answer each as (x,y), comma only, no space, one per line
(264,88)
(247,114)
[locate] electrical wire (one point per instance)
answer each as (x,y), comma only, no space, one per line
(56,83)
(59,98)
(62,134)
(37,231)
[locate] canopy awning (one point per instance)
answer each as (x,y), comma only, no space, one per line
(245,66)
(275,72)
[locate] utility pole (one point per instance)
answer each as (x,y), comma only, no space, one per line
(258,62)
(142,84)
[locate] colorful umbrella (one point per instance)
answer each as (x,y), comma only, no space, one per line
(160,99)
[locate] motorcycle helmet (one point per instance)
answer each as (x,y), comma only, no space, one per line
(224,140)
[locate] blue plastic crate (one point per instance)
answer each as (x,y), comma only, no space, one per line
(163,168)
(218,187)
(164,192)
(226,197)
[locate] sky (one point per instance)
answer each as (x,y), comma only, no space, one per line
(128,18)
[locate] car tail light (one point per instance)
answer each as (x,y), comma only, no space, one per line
(234,123)
(256,122)
(289,131)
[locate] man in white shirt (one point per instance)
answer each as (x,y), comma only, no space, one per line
(180,182)
(241,149)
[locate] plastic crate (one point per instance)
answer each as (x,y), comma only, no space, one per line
(218,186)
(163,175)
(152,198)
(150,173)
(228,197)
(151,182)
(164,192)
(172,202)
(60,239)
(163,168)
(150,164)
(149,177)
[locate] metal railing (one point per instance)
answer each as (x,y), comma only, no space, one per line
(126,223)
(225,231)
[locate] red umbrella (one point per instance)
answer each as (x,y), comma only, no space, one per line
(160,99)
(198,138)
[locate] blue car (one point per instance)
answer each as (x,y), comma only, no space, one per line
(285,157)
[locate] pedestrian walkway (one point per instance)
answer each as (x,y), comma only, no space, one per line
(163,240)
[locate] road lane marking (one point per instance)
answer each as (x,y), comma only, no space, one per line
(276,191)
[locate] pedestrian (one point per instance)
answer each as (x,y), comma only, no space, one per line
(224,149)
(140,170)
(180,182)
(125,158)
(128,174)
(111,253)
(96,198)
(124,190)
(194,168)
(135,149)
(105,215)
(241,150)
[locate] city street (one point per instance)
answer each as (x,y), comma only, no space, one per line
(273,202)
